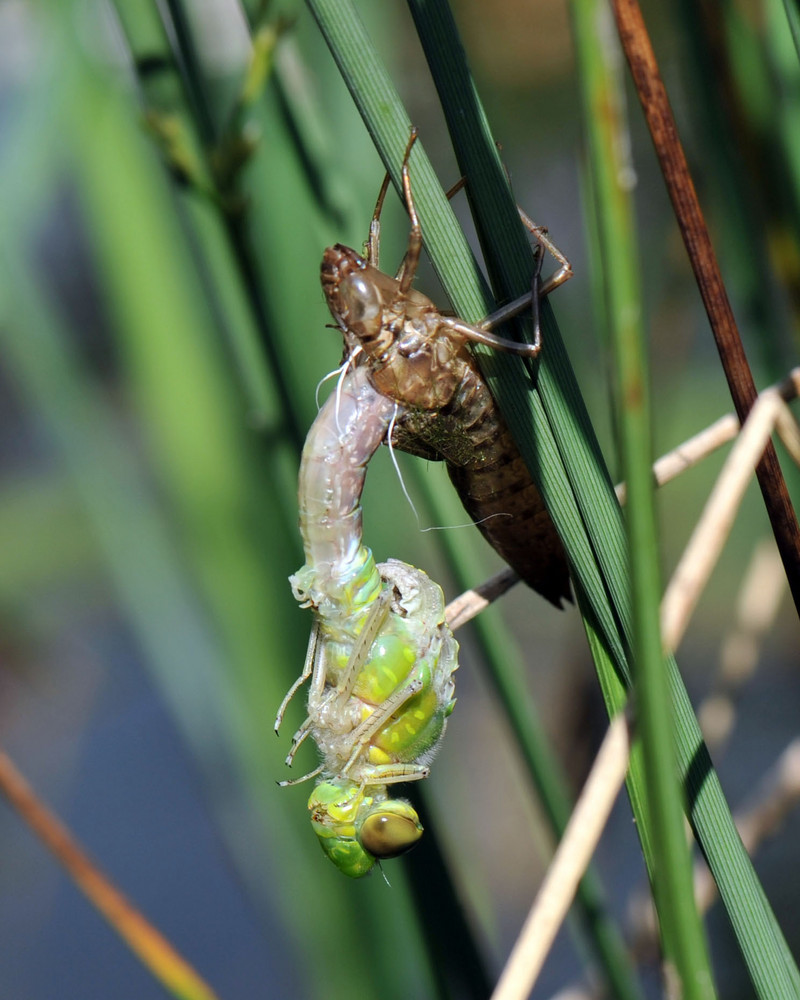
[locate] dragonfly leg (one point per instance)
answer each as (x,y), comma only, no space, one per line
(538,256)
(298,739)
(396,774)
(317,708)
(541,235)
(374,241)
(459,185)
(564,272)
(482,332)
(308,667)
(408,267)
(539,290)
(363,733)
(316,668)
(373,245)
(288,782)
(378,613)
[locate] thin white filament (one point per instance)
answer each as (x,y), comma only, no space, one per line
(337,373)
(342,372)
(433,527)
(465,524)
(389,434)
(325,378)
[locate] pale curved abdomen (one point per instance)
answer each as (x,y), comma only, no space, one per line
(339,570)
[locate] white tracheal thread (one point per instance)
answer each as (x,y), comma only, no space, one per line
(407,495)
(396,464)
(337,373)
(326,378)
(345,367)
(465,524)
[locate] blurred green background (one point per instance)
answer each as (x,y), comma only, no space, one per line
(163,331)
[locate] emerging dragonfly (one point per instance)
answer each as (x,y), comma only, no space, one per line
(380,659)
(417,357)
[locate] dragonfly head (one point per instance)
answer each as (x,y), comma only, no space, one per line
(356,827)
(361,299)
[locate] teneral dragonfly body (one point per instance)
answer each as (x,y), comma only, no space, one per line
(381,658)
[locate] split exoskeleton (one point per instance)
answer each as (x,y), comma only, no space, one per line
(418,357)
(381,658)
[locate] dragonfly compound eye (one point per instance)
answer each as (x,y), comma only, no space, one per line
(392,829)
